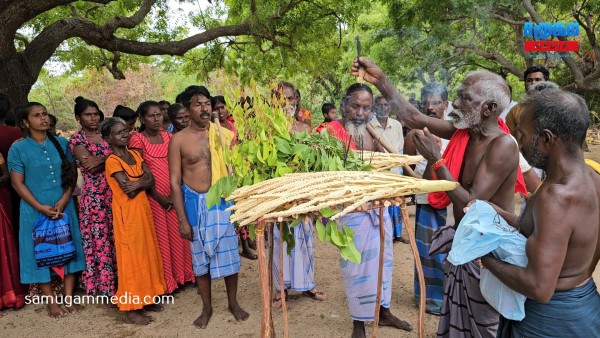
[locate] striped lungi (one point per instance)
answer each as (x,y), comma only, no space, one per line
(299,267)
(428,220)
(360,280)
(464,313)
(214,248)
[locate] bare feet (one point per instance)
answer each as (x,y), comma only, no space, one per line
(154,308)
(277,303)
(315,295)
(202,321)
(238,313)
(137,318)
(386,318)
(55,311)
(404,240)
(74,308)
(248,254)
(252,244)
(358,331)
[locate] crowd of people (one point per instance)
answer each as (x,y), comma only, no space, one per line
(141,224)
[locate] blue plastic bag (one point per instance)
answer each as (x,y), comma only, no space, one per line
(480,232)
(52,242)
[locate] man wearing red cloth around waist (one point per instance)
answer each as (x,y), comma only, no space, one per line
(483,158)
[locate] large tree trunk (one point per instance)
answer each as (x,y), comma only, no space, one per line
(16,80)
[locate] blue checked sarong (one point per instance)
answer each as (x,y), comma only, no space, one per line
(214,248)
(396,216)
(428,220)
(299,268)
(360,280)
(570,313)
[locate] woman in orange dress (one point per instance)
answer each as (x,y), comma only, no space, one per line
(139,265)
(153,143)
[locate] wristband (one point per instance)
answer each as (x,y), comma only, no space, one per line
(438,164)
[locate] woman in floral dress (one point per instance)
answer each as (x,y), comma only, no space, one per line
(95,215)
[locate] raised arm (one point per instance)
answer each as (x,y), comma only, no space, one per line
(175,180)
(408,114)
(546,249)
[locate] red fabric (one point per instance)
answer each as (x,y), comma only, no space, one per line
(8,135)
(338,131)
(232,128)
(454,156)
(174,250)
(12,292)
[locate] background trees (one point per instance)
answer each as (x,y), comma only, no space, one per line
(308,42)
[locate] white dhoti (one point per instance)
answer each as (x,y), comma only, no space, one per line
(299,267)
(360,280)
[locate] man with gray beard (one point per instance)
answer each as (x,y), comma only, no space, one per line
(483,158)
(357,107)
(360,280)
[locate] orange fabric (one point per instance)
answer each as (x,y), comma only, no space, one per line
(338,131)
(454,156)
(305,116)
(139,264)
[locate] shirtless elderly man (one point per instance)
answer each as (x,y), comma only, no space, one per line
(561,223)
(482,158)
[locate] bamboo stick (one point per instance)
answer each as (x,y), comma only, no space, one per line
(413,246)
(384,143)
(281,288)
(380,271)
(270,268)
(266,319)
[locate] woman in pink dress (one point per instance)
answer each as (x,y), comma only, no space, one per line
(153,143)
(95,215)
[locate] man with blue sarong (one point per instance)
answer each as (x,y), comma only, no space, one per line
(360,280)
(196,161)
(561,223)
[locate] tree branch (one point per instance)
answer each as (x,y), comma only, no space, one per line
(509,66)
(22,38)
(14,13)
(44,45)
(575,70)
(128,22)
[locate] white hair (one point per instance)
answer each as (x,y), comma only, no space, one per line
(492,86)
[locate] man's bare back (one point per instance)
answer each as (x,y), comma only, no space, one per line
(578,200)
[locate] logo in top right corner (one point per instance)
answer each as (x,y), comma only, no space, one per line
(559,31)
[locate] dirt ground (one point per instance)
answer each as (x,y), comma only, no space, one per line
(307,318)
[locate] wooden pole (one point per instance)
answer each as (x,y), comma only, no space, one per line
(263,273)
(281,286)
(380,271)
(270,269)
(421,276)
(384,143)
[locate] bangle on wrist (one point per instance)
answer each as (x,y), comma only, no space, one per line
(438,164)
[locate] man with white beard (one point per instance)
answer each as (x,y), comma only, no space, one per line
(360,280)
(483,158)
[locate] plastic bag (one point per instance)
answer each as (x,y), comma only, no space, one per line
(52,242)
(480,232)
